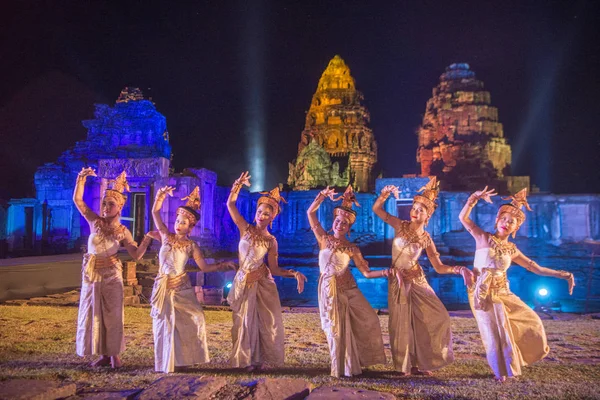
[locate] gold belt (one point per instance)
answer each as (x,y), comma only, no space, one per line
(103,262)
(175,282)
(257,274)
(411,274)
(345,280)
(499,282)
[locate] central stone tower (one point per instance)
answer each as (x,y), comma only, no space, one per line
(461,140)
(337,122)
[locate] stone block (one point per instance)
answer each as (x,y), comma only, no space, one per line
(130,282)
(129,270)
(109,395)
(347,393)
(178,387)
(35,389)
(127,291)
(131,300)
(281,389)
(213,295)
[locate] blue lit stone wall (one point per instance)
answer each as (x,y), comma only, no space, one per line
(129,136)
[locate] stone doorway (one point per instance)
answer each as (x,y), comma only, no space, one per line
(133,215)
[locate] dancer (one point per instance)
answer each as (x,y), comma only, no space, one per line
(100,320)
(257,332)
(512,333)
(419,324)
(348,320)
(177,317)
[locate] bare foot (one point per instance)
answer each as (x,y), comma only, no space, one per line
(417,371)
(500,379)
(101,362)
(115,362)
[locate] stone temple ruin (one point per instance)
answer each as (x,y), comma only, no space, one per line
(336,123)
(460,130)
(461,140)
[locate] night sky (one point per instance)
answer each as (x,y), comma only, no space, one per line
(214,66)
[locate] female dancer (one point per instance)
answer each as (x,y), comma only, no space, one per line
(177,316)
(100,320)
(419,325)
(512,333)
(257,332)
(348,320)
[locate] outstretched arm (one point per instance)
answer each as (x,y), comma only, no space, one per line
(464,216)
(204,267)
(287,273)
(442,268)
(315,225)
(156,207)
(237,218)
(83,208)
(378,206)
(143,246)
(363,266)
(532,266)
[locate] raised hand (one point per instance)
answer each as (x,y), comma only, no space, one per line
(393,189)
(328,192)
(85,172)
(485,194)
(165,190)
(244,179)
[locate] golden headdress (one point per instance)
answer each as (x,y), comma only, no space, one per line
(345,210)
(514,207)
(272,198)
(119,184)
(429,195)
(191,207)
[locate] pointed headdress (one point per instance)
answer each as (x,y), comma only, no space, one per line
(272,198)
(191,207)
(119,185)
(345,210)
(429,195)
(514,207)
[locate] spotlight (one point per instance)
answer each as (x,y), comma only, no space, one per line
(544,303)
(226,290)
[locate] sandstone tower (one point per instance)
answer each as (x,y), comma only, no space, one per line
(460,140)
(337,123)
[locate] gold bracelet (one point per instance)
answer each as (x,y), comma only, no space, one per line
(457,269)
(384,196)
(566,274)
(236,187)
(472,200)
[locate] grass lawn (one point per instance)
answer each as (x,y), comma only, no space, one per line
(38,342)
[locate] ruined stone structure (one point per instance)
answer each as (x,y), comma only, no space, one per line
(460,140)
(337,122)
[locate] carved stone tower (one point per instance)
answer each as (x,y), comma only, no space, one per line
(337,121)
(460,139)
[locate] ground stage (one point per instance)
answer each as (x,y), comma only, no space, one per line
(38,342)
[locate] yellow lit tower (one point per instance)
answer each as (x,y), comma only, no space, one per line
(335,136)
